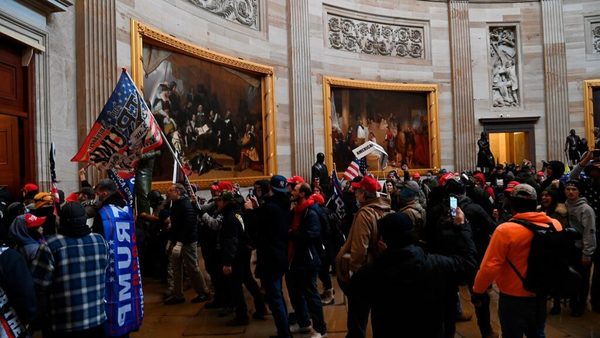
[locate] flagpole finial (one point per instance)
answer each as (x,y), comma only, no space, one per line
(124,69)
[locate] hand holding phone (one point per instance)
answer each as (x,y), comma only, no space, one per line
(453,206)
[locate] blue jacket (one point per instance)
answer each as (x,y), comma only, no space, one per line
(307,240)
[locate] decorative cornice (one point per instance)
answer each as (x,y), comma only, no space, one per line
(375,37)
(49,6)
(505,120)
(243,12)
(184,47)
(404,87)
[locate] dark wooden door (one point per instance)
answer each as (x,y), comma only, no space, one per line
(16,128)
(10,161)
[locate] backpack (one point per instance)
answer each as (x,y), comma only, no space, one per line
(548,270)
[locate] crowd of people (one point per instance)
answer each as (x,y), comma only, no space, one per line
(399,249)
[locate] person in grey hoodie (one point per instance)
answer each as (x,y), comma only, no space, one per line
(581,216)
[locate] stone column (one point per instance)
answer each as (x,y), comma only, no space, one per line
(465,152)
(96,43)
(303,153)
(555,78)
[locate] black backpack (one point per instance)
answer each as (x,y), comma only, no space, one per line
(548,270)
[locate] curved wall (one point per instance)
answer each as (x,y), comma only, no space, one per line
(553,54)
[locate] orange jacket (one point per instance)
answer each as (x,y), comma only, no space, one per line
(513,241)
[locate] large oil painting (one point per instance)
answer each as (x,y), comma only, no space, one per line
(401,118)
(215,111)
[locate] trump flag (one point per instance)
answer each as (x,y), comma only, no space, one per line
(124,130)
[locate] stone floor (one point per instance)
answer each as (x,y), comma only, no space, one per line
(192,320)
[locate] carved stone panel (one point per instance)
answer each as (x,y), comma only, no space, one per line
(503,63)
(244,12)
(595,45)
(375,38)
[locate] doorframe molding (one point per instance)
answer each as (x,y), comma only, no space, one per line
(511,125)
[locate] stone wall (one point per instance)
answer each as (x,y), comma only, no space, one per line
(581,64)
(268,42)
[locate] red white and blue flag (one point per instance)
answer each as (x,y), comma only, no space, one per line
(124,130)
(357,167)
(53,180)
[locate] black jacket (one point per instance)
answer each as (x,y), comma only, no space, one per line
(184,221)
(233,234)
(418,281)
(114,199)
(270,223)
(17,283)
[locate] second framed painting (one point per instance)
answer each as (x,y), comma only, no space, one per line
(216,111)
(402,118)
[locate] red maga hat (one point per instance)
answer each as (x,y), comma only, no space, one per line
(368,184)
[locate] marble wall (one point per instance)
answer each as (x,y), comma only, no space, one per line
(269,42)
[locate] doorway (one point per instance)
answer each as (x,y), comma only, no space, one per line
(17,159)
(512,140)
(510,147)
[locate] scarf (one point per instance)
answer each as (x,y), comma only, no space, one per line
(296,219)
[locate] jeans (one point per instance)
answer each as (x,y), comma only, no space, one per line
(274,297)
(483,313)
(188,260)
(302,288)
(241,274)
(522,316)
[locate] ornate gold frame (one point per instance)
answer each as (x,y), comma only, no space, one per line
(588,108)
(141,33)
(432,112)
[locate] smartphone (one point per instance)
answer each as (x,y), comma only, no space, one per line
(596,153)
(250,192)
(453,206)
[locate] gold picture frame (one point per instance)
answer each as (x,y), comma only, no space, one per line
(588,105)
(430,93)
(145,36)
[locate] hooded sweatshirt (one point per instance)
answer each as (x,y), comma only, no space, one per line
(581,217)
(18,232)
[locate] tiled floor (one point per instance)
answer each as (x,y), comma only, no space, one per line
(194,321)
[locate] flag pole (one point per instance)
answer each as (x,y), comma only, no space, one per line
(174,153)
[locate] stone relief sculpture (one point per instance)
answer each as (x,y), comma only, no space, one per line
(596,38)
(375,38)
(244,12)
(503,60)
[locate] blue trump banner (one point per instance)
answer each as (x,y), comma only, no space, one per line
(124,295)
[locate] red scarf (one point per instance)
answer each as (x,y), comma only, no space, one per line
(296,218)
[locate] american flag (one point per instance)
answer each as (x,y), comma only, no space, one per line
(357,167)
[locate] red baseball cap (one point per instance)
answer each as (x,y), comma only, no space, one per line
(295,180)
(540,173)
(511,185)
(29,187)
(444,178)
(225,185)
(416,175)
(368,184)
(33,221)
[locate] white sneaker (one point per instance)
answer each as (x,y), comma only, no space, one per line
(296,328)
